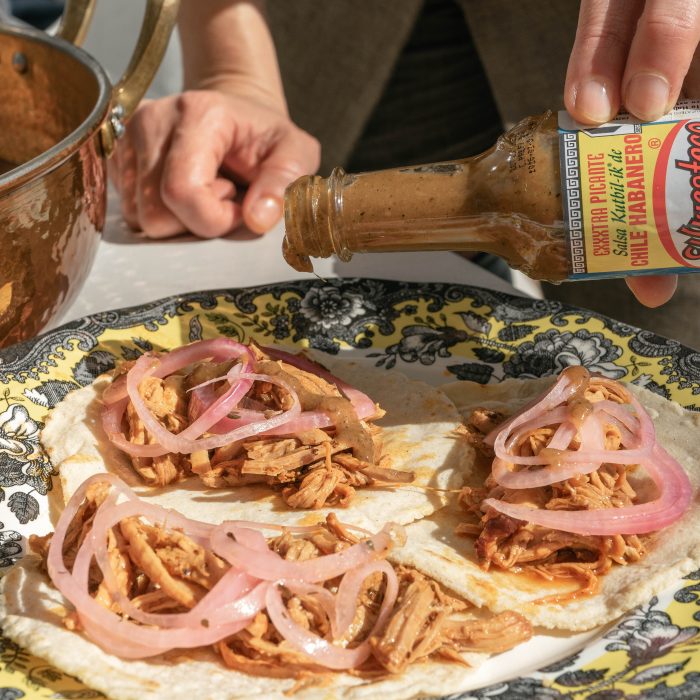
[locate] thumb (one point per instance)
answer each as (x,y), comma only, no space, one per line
(653,290)
(294,155)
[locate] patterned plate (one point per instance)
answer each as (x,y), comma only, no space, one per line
(435,332)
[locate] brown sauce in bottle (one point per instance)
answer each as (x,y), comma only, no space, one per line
(506,201)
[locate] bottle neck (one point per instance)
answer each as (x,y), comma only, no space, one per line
(416,208)
(313,215)
(505,201)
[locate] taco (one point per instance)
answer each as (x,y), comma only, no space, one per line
(264,432)
(145,603)
(577,509)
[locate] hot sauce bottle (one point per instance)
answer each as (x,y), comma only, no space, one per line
(555,199)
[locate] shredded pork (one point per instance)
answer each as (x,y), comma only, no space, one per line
(511,544)
(425,624)
(310,469)
(167,400)
(165,571)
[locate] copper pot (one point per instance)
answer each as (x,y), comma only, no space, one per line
(59,119)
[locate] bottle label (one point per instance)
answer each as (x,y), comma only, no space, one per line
(631,194)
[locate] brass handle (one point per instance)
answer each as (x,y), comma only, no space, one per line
(158,23)
(75,20)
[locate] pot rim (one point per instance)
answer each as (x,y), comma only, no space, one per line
(61,151)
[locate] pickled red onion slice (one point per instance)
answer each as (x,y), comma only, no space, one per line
(270,566)
(208,383)
(111,632)
(321,650)
(112,415)
(232,586)
(559,463)
(675,495)
(619,412)
(548,418)
(223,405)
(231,603)
(326,599)
(217,349)
(585,454)
(562,438)
(170,442)
(565,388)
(349,591)
(308,420)
(116,395)
(592,438)
(202,399)
(210,412)
(363,404)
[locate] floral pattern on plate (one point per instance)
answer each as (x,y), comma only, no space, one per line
(435,332)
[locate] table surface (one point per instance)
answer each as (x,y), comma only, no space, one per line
(130,269)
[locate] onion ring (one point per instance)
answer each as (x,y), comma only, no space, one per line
(233,600)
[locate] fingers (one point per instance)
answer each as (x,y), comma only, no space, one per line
(663,46)
(150,132)
(138,170)
(293,154)
(653,290)
(136,166)
(189,182)
(637,53)
(168,163)
(605,29)
(631,52)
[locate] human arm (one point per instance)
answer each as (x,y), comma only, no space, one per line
(231,118)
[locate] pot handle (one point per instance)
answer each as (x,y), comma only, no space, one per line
(75,20)
(158,22)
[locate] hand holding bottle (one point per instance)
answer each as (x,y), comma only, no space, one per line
(640,54)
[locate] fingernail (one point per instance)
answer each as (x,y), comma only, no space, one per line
(593,102)
(647,96)
(266,212)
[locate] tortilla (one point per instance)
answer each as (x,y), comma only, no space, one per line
(29,608)
(673,552)
(418,436)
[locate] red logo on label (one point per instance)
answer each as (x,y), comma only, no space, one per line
(683,248)
(691,250)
